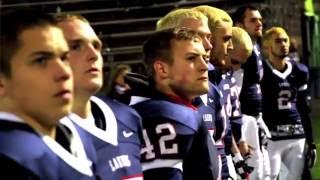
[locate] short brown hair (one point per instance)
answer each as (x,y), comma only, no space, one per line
(158,46)
(13,24)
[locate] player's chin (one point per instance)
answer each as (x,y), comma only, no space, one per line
(259,32)
(283,55)
(95,85)
(98,81)
(58,112)
(63,110)
(203,88)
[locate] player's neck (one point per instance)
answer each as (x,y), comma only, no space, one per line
(167,90)
(40,124)
(278,63)
(82,106)
(43,129)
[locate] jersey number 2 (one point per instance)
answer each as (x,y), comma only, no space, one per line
(283,100)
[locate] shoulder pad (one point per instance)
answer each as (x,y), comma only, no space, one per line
(169,110)
(124,114)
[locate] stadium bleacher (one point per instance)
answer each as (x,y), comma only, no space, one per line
(122,25)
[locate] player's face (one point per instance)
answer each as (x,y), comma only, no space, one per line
(252,23)
(222,45)
(202,28)
(188,75)
(85,56)
(280,45)
(40,86)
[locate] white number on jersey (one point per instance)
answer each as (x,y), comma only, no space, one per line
(163,139)
(283,99)
(235,95)
(149,147)
(164,149)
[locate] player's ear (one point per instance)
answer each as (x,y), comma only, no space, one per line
(161,68)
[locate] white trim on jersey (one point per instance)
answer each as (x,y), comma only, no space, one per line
(80,163)
(162,163)
(204,99)
(303,87)
(109,135)
(137,99)
(5,116)
(97,132)
(284,74)
(111,131)
(76,144)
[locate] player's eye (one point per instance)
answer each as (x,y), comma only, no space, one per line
(226,39)
(191,58)
(65,56)
(75,46)
(97,45)
(41,60)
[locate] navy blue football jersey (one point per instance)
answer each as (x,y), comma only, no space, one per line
(209,107)
(250,96)
(280,91)
(116,132)
(222,122)
(177,143)
(26,154)
(230,120)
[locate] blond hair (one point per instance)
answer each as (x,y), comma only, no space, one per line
(241,39)
(174,18)
(267,37)
(215,16)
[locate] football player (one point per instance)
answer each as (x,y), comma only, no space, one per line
(35,92)
(177,144)
(242,49)
(208,104)
(229,128)
(249,18)
(285,108)
(114,127)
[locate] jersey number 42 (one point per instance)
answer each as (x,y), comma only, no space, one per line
(162,142)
